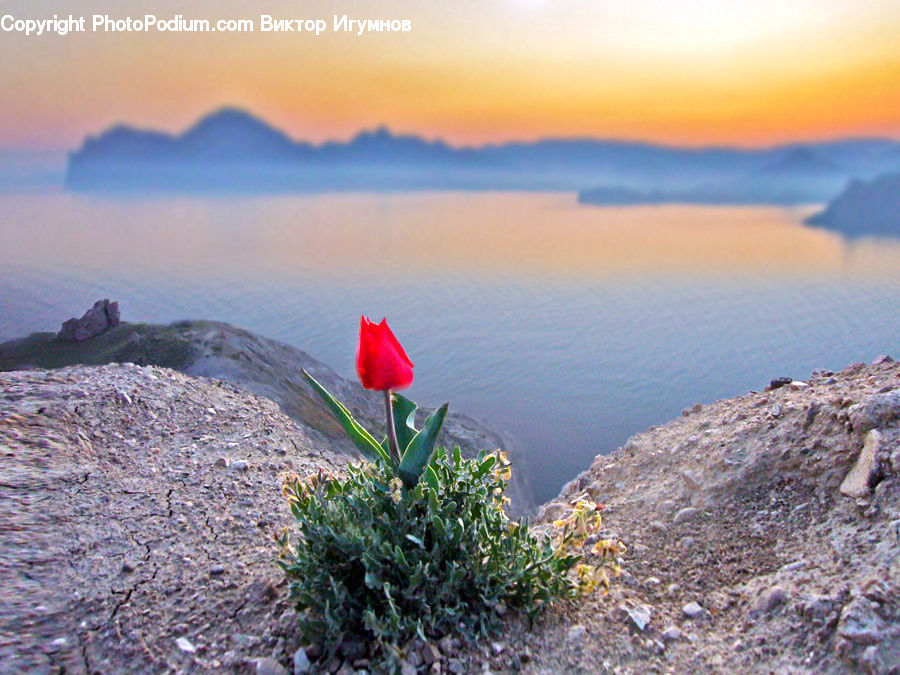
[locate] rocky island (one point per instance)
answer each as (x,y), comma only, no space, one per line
(139,504)
(864,208)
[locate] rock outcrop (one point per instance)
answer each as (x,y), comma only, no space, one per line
(98,319)
(763,534)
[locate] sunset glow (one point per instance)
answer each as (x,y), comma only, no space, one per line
(692,72)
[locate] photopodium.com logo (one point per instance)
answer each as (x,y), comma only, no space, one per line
(265,23)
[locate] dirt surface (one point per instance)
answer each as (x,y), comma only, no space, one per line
(257,364)
(135,539)
(738,507)
(138,507)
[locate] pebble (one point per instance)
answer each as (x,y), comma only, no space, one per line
(577,635)
(857,481)
(692,610)
(776,410)
(685,514)
(639,615)
(430,653)
(222,462)
(406,668)
(671,634)
(216,570)
(240,465)
(123,397)
(794,566)
(301,662)
(269,666)
(777,596)
(446,645)
(185,645)
(456,666)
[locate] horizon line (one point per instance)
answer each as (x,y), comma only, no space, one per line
(385,126)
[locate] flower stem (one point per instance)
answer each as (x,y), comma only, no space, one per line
(391,429)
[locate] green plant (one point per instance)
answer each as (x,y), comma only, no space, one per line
(415,542)
(383,562)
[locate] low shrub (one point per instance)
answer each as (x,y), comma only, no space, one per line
(384,563)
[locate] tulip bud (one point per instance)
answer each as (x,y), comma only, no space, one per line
(381,363)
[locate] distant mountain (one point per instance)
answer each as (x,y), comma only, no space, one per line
(796,175)
(230,149)
(865,208)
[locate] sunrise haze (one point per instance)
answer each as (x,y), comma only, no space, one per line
(688,73)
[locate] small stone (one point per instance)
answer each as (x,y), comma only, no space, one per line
(577,635)
(127,567)
(688,543)
(777,596)
(497,648)
(301,662)
(639,615)
(185,645)
(857,482)
(692,610)
(685,514)
(798,384)
(240,465)
(776,410)
(123,398)
(456,666)
(446,645)
(883,358)
(269,666)
(876,412)
(406,668)
(216,570)
(794,566)
(222,462)
(779,382)
(859,622)
(430,653)
(658,526)
(671,634)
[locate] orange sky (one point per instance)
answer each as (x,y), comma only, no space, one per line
(679,71)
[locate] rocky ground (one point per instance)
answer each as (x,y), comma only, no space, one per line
(750,549)
(138,505)
(257,364)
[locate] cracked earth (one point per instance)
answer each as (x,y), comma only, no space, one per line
(137,508)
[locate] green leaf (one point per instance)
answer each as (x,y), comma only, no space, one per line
(362,438)
(431,479)
(419,450)
(404,419)
(485,466)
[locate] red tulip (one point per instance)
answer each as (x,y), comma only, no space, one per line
(381,362)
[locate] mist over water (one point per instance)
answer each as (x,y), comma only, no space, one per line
(570,327)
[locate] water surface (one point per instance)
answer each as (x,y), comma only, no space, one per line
(571,327)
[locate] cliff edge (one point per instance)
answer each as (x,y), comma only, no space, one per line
(139,503)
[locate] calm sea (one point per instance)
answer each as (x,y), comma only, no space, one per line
(570,327)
